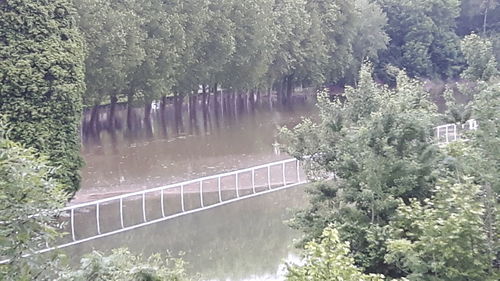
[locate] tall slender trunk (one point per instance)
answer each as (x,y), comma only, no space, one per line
(485,19)
(178,101)
(130,99)
(203,95)
(289,88)
(147,118)
(94,118)
(163,115)
(112,111)
(147,111)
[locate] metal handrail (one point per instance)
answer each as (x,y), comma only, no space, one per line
(155,189)
(97,203)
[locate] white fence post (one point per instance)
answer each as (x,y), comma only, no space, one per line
(73,224)
(121,213)
(97,218)
(144,206)
(201,193)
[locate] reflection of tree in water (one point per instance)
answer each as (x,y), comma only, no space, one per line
(236,241)
(204,115)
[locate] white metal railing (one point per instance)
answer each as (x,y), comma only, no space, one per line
(452,132)
(273,180)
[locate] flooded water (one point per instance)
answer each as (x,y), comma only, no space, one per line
(243,240)
(124,160)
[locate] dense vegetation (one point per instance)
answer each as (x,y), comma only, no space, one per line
(42,81)
(30,197)
(406,206)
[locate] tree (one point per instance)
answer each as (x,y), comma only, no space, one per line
(443,238)
(481,61)
(30,198)
(423,39)
(480,16)
(115,41)
(370,38)
(292,23)
(370,152)
(328,260)
(42,81)
(122,265)
(154,77)
(253,32)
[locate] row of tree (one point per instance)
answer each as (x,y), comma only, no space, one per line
(145,50)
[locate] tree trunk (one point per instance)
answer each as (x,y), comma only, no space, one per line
(203,95)
(289,88)
(94,118)
(163,115)
(178,101)
(112,110)
(485,19)
(147,119)
(147,112)
(130,120)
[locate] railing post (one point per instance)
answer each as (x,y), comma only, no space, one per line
(284,175)
(447,135)
(220,191)
(162,204)
(121,212)
(237,189)
(182,198)
(201,193)
(298,170)
(73,224)
(455,131)
(437,132)
(269,177)
(253,180)
(144,206)
(97,219)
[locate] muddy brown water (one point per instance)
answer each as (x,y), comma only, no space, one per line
(243,240)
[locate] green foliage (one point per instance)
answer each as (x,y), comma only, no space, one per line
(115,46)
(423,39)
(374,151)
(481,61)
(370,22)
(121,265)
(41,81)
(328,260)
(29,198)
(443,238)
(253,33)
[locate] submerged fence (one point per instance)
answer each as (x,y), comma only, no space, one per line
(100,218)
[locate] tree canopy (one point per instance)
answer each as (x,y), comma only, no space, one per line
(42,81)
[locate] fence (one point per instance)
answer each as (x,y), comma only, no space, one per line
(452,132)
(92,220)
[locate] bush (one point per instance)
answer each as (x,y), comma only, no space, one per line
(42,81)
